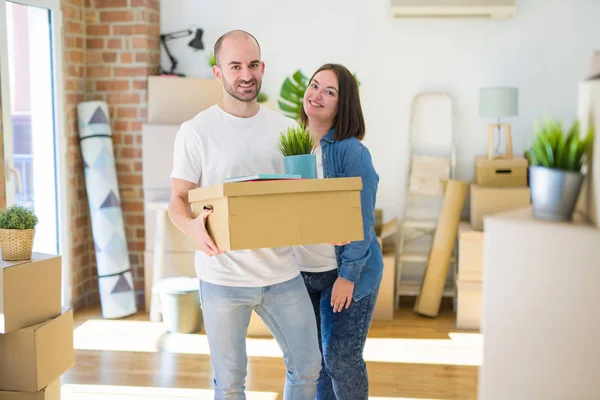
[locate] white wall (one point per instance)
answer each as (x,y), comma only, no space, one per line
(544,51)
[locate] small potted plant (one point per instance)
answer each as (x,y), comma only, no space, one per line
(296,145)
(557,158)
(17,230)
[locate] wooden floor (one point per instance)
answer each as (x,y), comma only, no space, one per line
(411,357)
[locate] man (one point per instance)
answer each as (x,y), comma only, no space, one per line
(239,137)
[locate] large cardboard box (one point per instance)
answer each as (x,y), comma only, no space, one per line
(488,200)
(174,100)
(386,298)
(470,253)
(30,291)
(540,308)
(35,356)
(50,392)
(468,304)
(501,171)
(250,215)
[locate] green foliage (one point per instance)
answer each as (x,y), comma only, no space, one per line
(17,217)
(212,60)
(292,94)
(296,140)
(261,98)
(553,147)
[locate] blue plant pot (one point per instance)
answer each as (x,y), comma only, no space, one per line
(304,165)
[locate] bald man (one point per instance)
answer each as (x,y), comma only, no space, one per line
(238,137)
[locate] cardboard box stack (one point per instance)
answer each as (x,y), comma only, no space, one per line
(36,335)
(500,185)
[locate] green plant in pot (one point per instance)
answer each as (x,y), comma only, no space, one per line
(17,230)
(296,145)
(557,157)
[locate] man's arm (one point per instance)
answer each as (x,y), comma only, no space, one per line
(181,215)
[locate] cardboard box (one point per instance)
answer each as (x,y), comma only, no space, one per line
(487,200)
(468,304)
(501,171)
(30,291)
(540,308)
(470,253)
(35,356)
(174,100)
(250,215)
(50,392)
(386,299)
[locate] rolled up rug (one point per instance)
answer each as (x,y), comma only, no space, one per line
(115,281)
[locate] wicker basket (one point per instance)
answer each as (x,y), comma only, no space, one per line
(16,244)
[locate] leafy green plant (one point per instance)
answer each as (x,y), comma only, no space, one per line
(295,141)
(292,94)
(212,60)
(261,98)
(554,147)
(17,217)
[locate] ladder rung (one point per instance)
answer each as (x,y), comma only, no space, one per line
(414,257)
(420,223)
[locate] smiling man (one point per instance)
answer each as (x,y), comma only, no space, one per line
(238,137)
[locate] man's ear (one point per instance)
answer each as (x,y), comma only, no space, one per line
(217,73)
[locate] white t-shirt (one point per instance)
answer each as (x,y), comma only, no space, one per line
(316,257)
(216,145)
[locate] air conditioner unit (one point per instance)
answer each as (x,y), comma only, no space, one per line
(496,9)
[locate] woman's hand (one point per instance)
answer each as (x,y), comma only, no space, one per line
(341,294)
(340,243)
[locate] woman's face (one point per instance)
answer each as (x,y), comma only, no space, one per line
(321,96)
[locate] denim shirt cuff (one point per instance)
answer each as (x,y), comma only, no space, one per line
(350,272)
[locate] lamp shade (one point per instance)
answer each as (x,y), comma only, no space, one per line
(498,102)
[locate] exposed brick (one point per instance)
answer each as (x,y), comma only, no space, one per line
(133,71)
(98,29)
(123,98)
(111,3)
(116,16)
(123,29)
(117,85)
(115,43)
(127,112)
(125,58)
(95,43)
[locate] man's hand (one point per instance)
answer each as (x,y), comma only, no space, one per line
(341,294)
(203,240)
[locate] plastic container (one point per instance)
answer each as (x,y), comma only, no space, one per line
(180,304)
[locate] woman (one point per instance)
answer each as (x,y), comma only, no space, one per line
(343,279)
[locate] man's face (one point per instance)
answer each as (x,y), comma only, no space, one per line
(240,69)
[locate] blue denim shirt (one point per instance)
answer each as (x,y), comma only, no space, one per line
(360,262)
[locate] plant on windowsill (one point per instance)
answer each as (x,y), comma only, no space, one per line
(17,230)
(557,157)
(296,145)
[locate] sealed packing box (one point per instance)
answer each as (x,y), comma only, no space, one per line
(250,215)
(30,291)
(470,253)
(540,308)
(50,392)
(501,171)
(468,304)
(489,200)
(35,356)
(386,299)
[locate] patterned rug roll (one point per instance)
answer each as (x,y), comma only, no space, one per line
(117,295)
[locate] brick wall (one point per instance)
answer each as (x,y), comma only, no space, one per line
(111,47)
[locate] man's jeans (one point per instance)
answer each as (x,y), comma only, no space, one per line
(343,336)
(287,311)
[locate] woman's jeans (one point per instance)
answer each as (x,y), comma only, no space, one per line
(286,310)
(342,338)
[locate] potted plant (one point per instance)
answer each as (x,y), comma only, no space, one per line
(296,145)
(17,230)
(557,157)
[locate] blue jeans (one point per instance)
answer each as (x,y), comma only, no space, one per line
(342,338)
(287,312)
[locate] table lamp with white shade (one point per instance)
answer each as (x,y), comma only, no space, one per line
(497,103)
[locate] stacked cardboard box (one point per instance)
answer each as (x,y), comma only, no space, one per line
(36,335)
(500,185)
